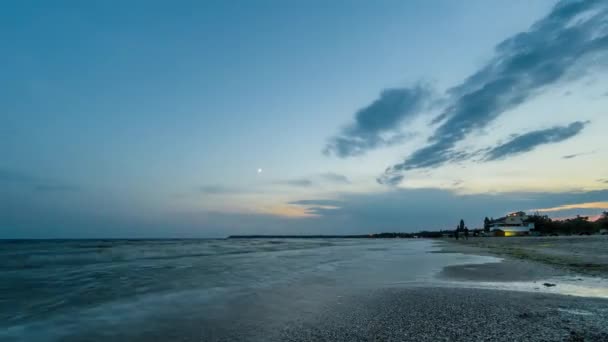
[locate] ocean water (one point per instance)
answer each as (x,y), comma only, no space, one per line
(96,290)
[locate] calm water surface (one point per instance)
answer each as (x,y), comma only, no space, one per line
(100,289)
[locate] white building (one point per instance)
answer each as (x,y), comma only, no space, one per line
(514,224)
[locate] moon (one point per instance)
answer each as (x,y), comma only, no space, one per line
(259,170)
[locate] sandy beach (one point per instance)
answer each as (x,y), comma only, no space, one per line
(396,314)
(472,314)
(449,314)
(469,314)
(574,254)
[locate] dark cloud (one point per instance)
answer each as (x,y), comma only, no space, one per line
(216,189)
(377,121)
(523,66)
(575,155)
(603,180)
(390,178)
(335,178)
(457,182)
(303,182)
(22,179)
(318,202)
(528,141)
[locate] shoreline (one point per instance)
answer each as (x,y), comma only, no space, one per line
(585,255)
(516,271)
(462,310)
(452,309)
(381,291)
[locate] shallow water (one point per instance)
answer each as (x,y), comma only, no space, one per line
(579,286)
(183,289)
(52,290)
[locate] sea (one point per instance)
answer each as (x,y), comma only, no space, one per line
(193,290)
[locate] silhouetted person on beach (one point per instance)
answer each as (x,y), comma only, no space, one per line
(456,233)
(466,233)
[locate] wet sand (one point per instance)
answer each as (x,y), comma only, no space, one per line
(586,255)
(472,314)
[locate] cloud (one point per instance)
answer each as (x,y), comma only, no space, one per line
(218,189)
(576,155)
(528,141)
(522,67)
(457,182)
(287,211)
(405,210)
(335,178)
(588,205)
(302,182)
(603,180)
(35,183)
(318,207)
(377,124)
(317,202)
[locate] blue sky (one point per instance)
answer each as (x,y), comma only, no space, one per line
(154,118)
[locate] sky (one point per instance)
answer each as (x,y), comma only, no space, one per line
(211,118)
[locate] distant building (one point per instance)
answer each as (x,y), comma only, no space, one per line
(514,224)
(511,231)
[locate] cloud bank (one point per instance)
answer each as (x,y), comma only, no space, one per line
(588,205)
(410,210)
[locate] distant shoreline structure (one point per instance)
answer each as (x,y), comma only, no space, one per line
(425,234)
(296,236)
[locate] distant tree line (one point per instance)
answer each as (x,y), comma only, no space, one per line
(421,234)
(577,225)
